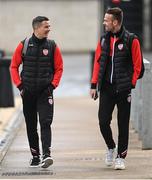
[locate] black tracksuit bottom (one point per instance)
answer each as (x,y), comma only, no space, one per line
(108,99)
(38,106)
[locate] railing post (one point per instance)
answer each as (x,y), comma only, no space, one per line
(147,107)
(141,112)
(136,108)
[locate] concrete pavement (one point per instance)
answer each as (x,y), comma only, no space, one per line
(10,119)
(77,149)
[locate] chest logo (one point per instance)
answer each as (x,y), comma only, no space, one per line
(45,52)
(30,45)
(120,46)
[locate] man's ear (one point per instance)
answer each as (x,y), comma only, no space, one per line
(115,22)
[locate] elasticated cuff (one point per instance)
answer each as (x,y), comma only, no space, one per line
(93,86)
(20,87)
(52,87)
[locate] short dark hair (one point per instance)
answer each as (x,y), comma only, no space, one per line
(117,14)
(37,21)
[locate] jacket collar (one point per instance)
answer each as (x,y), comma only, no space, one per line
(37,40)
(117,34)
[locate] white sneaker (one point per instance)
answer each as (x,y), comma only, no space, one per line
(110,155)
(119,164)
(47,161)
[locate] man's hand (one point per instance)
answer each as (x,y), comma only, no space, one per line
(20,87)
(51,88)
(94,94)
(21,92)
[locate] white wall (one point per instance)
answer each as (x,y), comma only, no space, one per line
(75,23)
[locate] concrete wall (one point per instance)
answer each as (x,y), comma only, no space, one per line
(74,23)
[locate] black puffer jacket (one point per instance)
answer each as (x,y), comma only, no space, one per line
(38,66)
(122,69)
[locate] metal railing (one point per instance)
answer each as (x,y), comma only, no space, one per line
(141,112)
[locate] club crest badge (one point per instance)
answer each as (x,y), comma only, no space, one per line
(45,52)
(50,100)
(120,46)
(129,99)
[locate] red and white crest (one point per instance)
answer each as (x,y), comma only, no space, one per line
(45,52)
(129,99)
(50,100)
(120,46)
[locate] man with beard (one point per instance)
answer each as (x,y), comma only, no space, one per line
(117,66)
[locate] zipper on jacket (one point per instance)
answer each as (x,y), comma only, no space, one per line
(37,66)
(112,60)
